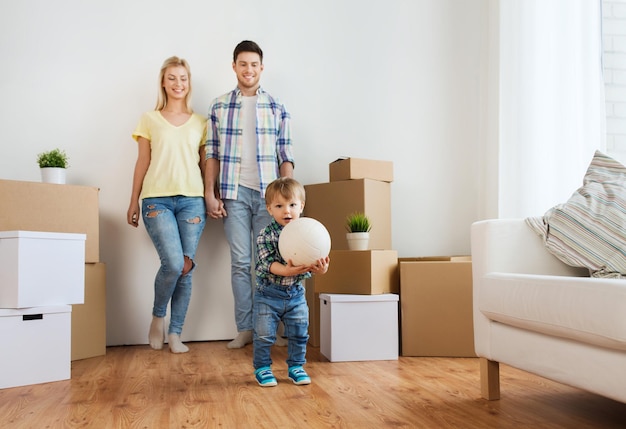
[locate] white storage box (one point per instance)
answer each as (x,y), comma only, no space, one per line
(359,327)
(41,268)
(36,345)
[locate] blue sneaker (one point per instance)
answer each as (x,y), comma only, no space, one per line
(298,375)
(265,377)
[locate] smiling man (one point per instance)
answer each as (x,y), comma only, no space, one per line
(248,146)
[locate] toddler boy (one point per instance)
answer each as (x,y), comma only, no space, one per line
(280,294)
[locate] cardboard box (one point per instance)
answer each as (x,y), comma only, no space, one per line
(436,306)
(355,168)
(331,203)
(41,268)
(313,301)
(36,345)
(89,319)
(359,327)
(33,206)
(360,272)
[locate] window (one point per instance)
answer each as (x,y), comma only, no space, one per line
(614,60)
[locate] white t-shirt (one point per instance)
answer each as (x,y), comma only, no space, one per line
(249,173)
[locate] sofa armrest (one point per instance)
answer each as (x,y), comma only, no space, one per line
(507,246)
(511,246)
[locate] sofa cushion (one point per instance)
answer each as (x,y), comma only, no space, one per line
(589,230)
(583,309)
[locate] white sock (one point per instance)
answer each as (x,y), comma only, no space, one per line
(242,338)
(157,333)
(176,346)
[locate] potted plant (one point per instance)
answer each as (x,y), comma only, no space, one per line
(358,226)
(53,164)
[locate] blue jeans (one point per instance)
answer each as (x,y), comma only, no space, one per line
(273,303)
(246,217)
(174,224)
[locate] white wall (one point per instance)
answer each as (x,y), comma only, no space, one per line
(399,80)
(614,44)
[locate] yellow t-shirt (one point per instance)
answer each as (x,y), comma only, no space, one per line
(174,164)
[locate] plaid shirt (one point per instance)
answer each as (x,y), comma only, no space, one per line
(224,139)
(267,253)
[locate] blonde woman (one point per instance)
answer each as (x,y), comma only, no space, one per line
(168,185)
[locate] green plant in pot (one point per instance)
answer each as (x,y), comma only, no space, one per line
(358,226)
(53,164)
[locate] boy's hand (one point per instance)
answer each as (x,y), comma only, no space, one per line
(320,266)
(294,270)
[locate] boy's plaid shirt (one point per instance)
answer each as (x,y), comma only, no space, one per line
(267,253)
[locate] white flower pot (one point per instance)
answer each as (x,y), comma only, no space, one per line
(358,240)
(53,175)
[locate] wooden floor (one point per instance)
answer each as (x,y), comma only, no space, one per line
(212,386)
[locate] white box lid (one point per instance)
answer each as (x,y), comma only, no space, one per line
(43,235)
(341,297)
(49,309)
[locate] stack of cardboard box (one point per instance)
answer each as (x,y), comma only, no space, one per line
(70,209)
(356,185)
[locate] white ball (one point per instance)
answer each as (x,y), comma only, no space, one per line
(304,241)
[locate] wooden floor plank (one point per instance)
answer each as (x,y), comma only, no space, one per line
(213,386)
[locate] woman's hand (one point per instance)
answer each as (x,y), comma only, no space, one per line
(132,216)
(214,207)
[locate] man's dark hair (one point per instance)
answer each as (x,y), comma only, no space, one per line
(247,46)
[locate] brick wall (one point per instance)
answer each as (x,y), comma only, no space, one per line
(614,41)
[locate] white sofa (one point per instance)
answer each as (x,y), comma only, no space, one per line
(533,312)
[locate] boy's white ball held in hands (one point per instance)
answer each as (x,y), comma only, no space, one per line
(304,241)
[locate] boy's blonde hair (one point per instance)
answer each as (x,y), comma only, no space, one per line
(285,186)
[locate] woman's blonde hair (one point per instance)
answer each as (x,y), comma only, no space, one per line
(162,98)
